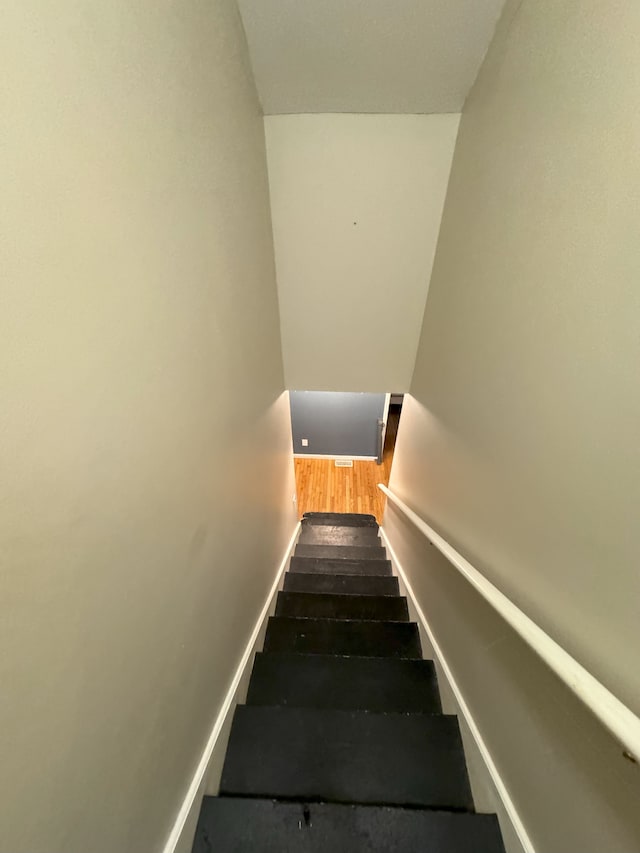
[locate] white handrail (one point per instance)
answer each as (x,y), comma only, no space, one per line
(623,724)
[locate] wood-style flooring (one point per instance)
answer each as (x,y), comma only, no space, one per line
(322,487)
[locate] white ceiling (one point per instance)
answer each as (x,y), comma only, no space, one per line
(367,56)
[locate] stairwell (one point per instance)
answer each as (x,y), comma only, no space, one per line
(342,744)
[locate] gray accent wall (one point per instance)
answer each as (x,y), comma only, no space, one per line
(336,423)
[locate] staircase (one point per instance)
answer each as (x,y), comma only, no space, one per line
(342,744)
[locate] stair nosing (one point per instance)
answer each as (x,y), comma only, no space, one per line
(341,575)
(430,661)
(345,594)
(341,621)
(297,709)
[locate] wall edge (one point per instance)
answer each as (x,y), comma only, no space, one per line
(181,835)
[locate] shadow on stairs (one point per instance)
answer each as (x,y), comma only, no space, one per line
(342,744)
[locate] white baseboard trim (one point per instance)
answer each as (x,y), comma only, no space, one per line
(195,792)
(328,456)
(509,805)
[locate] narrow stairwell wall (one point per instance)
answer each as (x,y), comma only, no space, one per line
(519,442)
(145,471)
(356,202)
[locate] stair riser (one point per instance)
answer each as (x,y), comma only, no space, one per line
(339,536)
(367,607)
(342,519)
(347,757)
(336,637)
(348,683)
(341,584)
(232,825)
(341,552)
(324,565)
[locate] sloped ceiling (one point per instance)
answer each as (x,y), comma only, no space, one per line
(367,56)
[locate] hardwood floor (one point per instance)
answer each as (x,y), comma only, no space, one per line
(322,487)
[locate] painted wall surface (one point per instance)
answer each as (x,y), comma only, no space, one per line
(520,442)
(356,204)
(146,478)
(336,424)
(345,56)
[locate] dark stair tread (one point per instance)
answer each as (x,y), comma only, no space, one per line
(366,537)
(343,637)
(346,519)
(349,683)
(341,583)
(347,756)
(331,606)
(342,552)
(332,566)
(241,825)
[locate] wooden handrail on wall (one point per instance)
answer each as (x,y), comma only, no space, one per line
(623,724)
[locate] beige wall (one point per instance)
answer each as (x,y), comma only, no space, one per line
(146,481)
(356,204)
(521,445)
